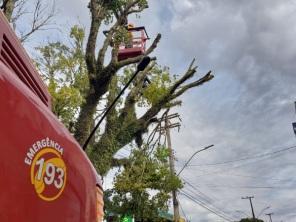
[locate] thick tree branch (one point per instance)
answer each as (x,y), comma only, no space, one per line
(171,95)
(107,41)
(189,73)
(131,98)
(199,82)
(120,162)
(111,119)
(96,20)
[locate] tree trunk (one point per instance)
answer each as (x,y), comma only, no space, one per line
(85,119)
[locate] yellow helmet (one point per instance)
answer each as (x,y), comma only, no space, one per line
(130,25)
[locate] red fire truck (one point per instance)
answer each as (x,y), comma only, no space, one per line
(44,174)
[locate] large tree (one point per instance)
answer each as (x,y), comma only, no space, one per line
(104,76)
(122,125)
(142,188)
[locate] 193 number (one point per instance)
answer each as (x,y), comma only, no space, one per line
(50,174)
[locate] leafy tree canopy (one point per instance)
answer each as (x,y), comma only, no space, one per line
(143,187)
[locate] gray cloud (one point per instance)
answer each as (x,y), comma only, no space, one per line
(248,108)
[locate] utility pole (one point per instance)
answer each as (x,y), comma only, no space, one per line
(167,126)
(250,198)
(269,216)
(294,124)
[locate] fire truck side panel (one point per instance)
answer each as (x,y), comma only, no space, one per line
(25,119)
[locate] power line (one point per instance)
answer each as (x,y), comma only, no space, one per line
(248,176)
(247,158)
(206,199)
(240,187)
(208,185)
(208,204)
(197,190)
(205,207)
(227,169)
(183,212)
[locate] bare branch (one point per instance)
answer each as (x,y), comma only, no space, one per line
(189,73)
(19,11)
(199,82)
(41,19)
(171,95)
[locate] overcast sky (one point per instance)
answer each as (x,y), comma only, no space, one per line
(245,111)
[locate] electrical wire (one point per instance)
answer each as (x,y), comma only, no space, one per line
(246,158)
(205,200)
(205,207)
(229,169)
(219,214)
(247,176)
(208,204)
(209,199)
(183,212)
(196,189)
(239,187)
(232,187)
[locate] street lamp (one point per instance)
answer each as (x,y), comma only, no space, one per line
(140,67)
(261,212)
(186,164)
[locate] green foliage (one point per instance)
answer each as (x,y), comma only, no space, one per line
(143,187)
(65,101)
(147,172)
(64,70)
(121,36)
(115,6)
(160,82)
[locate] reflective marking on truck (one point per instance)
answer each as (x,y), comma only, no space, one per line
(40,144)
(48,172)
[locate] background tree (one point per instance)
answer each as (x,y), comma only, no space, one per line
(38,13)
(64,70)
(143,187)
